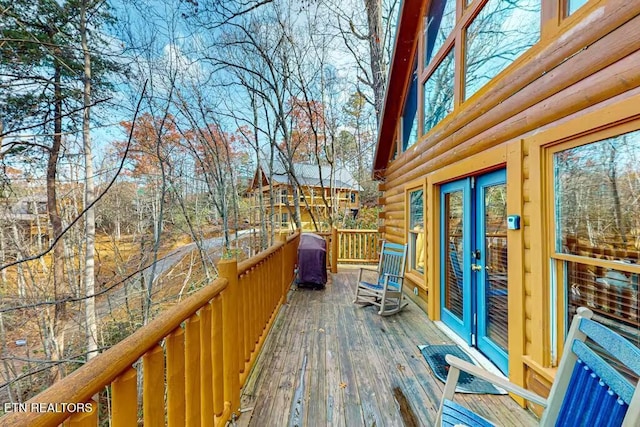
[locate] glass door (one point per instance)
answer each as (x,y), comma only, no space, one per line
(473,260)
(455,243)
(491,267)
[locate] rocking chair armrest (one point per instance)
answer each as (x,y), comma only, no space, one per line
(363,269)
(496,380)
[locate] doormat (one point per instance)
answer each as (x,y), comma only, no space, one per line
(467,383)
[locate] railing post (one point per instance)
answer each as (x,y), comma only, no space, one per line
(334,250)
(282,238)
(228,269)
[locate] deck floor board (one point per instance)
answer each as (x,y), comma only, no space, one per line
(328,362)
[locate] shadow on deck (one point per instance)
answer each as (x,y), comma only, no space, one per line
(329,362)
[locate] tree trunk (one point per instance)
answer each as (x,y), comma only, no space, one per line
(378,72)
(89,191)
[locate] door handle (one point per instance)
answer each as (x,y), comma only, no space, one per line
(476,267)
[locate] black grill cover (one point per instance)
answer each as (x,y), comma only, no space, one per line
(312,260)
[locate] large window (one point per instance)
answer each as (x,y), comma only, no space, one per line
(501,32)
(486,41)
(409,115)
(416,230)
(438,93)
(439,24)
(597,229)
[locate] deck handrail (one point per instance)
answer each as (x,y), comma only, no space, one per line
(208,343)
(351,246)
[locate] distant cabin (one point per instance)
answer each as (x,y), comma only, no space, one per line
(509,155)
(321,194)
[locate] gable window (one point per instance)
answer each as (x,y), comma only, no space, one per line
(573,5)
(416,230)
(438,93)
(501,32)
(409,116)
(596,247)
(439,24)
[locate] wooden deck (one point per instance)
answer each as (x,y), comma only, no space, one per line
(328,362)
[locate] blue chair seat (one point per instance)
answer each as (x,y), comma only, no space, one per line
(455,415)
(392,286)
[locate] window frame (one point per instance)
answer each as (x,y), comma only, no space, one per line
(416,276)
(466,12)
(558,289)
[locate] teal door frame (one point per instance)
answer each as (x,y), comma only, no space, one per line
(484,290)
(461,326)
(472,327)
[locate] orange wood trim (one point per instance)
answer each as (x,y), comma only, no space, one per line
(539,262)
(515,262)
(547,373)
(433,256)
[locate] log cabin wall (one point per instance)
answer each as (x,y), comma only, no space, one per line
(579,82)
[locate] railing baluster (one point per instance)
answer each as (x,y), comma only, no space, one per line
(225,325)
(206,367)
(84,419)
(246,311)
(153,387)
(192,366)
(216,356)
(124,399)
(176,408)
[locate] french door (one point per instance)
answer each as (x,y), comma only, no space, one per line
(473,259)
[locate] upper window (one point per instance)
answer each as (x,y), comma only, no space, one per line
(439,24)
(438,93)
(416,230)
(409,116)
(501,32)
(573,5)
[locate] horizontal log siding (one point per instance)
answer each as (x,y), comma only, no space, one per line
(581,70)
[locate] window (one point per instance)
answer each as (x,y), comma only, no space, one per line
(597,230)
(439,24)
(416,230)
(573,5)
(283,196)
(501,32)
(438,93)
(409,119)
(284,222)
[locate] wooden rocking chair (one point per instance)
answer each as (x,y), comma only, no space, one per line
(386,290)
(587,391)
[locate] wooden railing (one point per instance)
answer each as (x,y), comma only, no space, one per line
(346,246)
(192,360)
